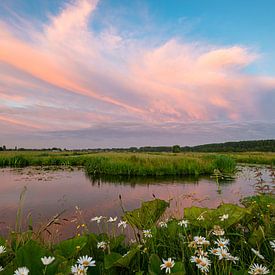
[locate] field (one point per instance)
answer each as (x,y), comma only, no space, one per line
(137,164)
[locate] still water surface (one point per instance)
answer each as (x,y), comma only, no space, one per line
(51,191)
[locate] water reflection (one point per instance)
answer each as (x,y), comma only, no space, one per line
(51,191)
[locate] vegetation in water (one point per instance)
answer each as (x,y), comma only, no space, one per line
(127,164)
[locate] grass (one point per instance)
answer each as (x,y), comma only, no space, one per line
(236,229)
(124,164)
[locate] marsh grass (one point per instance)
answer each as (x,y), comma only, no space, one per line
(125,164)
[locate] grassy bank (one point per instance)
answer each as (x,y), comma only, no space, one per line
(227,240)
(125,164)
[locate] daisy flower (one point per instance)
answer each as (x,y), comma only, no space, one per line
(47,260)
(21,271)
(111,219)
(147,233)
(222,253)
(167,265)
(122,223)
(97,219)
(232,258)
(2,249)
(162,224)
(223,243)
(86,261)
(224,217)
(1,268)
(257,253)
(79,270)
(256,269)
(183,223)
(272,244)
(218,231)
(201,262)
(102,245)
(199,240)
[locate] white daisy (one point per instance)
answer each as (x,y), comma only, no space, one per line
(147,233)
(272,244)
(97,219)
(218,231)
(21,271)
(202,263)
(199,240)
(224,217)
(1,268)
(256,269)
(122,223)
(183,223)
(223,243)
(47,260)
(86,261)
(222,253)
(200,218)
(103,245)
(168,265)
(232,258)
(257,253)
(111,219)
(79,270)
(2,249)
(162,224)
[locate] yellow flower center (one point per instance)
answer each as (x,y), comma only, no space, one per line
(168,264)
(85,263)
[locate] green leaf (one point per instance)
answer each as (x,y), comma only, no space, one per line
(110,259)
(147,215)
(71,247)
(211,217)
(154,264)
(178,268)
(30,256)
(124,261)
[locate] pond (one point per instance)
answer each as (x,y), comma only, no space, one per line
(50,191)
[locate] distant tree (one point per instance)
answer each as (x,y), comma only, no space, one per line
(4,148)
(176,149)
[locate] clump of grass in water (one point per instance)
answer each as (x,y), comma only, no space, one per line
(158,166)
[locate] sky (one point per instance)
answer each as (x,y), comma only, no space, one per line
(120,73)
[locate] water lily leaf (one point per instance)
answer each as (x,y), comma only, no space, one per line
(154,264)
(147,215)
(71,247)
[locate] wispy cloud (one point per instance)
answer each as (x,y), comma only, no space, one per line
(63,75)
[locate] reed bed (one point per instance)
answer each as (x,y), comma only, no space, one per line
(125,164)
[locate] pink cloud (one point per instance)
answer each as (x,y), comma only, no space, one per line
(91,77)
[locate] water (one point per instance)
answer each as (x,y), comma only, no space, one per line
(51,191)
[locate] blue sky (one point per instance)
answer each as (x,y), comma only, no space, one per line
(131,66)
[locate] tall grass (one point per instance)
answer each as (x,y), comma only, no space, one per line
(142,165)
